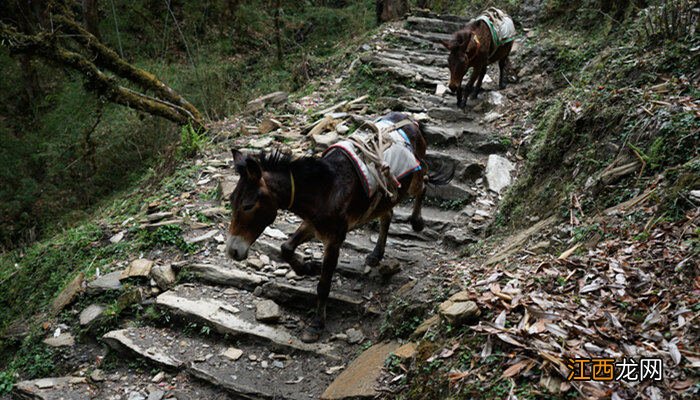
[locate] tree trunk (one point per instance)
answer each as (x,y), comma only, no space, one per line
(278,32)
(391,10)
(91,17)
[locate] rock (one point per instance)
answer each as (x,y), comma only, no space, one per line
(62,340)
(280,272)
(459,312)
(498,173)
(156,394)
(695,195)
(265,259)
(274,233)
(407,351)
(226,187)
(355,336)
(158,377)
(140,268)
(425,326)
(232,353)
(261,143)
(291,275)
(255,263)
(105,283)
(164,276)
(492,116)
(117,238)
(323,141)
(97,375)
(269,99)
(221,275)
(451,192)
(68,293)
(435,134)
(342,129)
(136,396)
(267,311)
(389,267)
(458,237)
(268,125)
(496,98)
(540,247)
(449,114)
(90,314)
(203,237)
(154,217)
(359,379)
(440,89)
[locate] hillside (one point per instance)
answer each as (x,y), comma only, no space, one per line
(570,228)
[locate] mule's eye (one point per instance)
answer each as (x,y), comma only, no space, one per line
(248,207)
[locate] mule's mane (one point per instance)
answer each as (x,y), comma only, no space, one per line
(278,161)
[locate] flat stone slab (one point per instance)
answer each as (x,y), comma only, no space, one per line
(90,314)
(126,339)
(105,283)
(63,340)
(245,372)
(138,268)
(218,314)
(68,293)
(359,379)
(62,388)
(229,276)
(449,114)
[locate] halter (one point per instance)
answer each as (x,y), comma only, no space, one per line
(291,196)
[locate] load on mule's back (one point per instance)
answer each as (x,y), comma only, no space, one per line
(331,194)
(483,41)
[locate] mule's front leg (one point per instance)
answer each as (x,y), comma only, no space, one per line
(458,93)
(313,332)
(477,88)
(470,86)
(377,254)
(302,235)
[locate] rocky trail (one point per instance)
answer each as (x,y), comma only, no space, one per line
(233,328)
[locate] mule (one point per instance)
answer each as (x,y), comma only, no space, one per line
(473,47)
(328,195)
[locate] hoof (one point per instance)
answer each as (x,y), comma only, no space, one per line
(311,334)
(417,224)
(312,268)
(372,260)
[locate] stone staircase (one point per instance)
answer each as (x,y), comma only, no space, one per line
(233,351)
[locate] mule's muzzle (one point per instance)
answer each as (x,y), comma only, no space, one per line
(453,87)
(237,248)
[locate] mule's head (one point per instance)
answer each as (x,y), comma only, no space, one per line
(458,60)
(252,204)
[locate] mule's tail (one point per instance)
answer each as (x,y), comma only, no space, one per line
(438,175)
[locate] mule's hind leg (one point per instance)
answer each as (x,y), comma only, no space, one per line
(503,65)
(303,234)
(377,254)
(417,190)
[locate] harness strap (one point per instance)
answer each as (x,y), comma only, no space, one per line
(291,196)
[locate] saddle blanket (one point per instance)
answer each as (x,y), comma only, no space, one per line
(399,156)
(500,24)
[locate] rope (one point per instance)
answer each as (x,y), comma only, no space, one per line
(373,150)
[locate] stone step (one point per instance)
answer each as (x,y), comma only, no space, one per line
(434,218)
(67,387)
(436,74)
(425,13)
(227,276)
(245,370)
(433,25)
(232,317)
(452,133)
(453,191)
(467,167)
(303,295)
(427,59)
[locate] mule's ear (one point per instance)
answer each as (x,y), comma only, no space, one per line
(253,169)
(447,44)
(238,157)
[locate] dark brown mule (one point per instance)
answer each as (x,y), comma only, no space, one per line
(473,47)
(329,197)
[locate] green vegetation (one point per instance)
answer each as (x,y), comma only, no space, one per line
(62,149)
